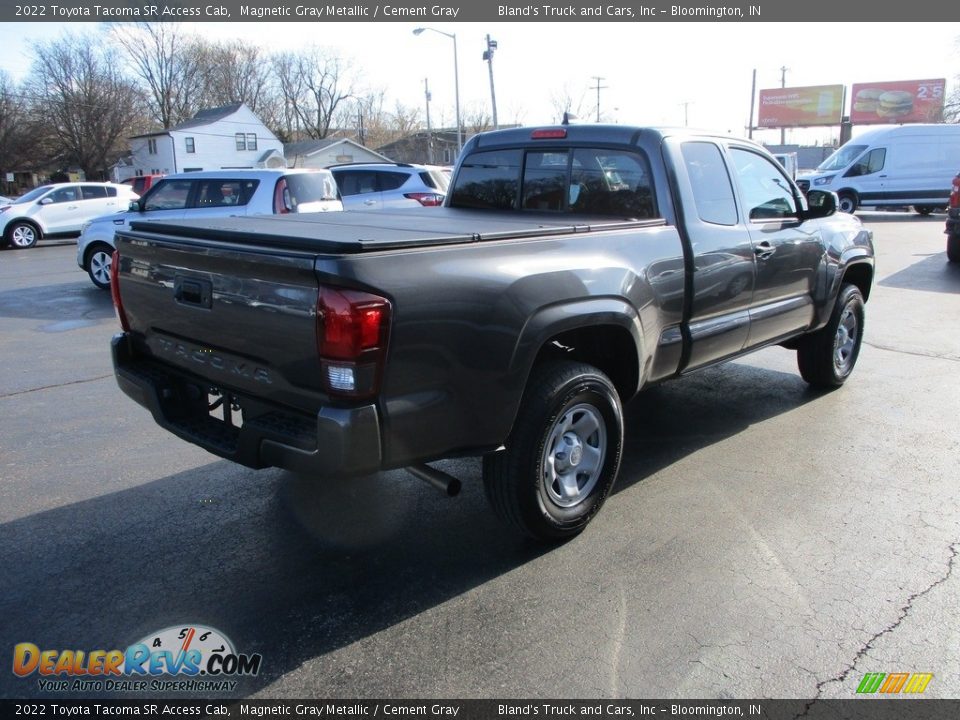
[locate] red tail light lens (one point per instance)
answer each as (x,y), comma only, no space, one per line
(955,193)
(425,199)
(115,291)
(352,331)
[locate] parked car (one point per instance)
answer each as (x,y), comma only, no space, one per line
(953,222)
(208,194)
(59,209)
(142,183)
(376,186)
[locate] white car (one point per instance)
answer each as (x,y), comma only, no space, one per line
(208,194)
(59,209)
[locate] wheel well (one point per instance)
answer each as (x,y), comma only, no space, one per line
(89,251)
(860,275)
(609,348)
(24,221)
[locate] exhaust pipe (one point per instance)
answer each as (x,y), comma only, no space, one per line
(442,481)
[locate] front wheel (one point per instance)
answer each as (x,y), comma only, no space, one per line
(563,455)
(99,260)
(848,202)
(22,235)
(827,357)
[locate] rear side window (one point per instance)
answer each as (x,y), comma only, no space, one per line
(168,195)
(391,180)
(222,193)
(489,180)
(596,181)
(294,191)
(436,179)
(712,191)
(93,192)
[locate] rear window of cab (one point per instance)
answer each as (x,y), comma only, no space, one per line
(594,181)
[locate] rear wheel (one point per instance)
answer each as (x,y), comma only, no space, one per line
(99,259)
(924,209)
(848,202)
(953,248)
(827,357)
(22,235)
(563,455)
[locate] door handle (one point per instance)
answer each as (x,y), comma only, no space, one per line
(764,250)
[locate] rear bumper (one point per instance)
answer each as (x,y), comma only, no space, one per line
(336,441)
(953,221)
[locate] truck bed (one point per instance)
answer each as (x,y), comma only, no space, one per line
(358,232)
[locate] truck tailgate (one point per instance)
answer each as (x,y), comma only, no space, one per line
(260,306)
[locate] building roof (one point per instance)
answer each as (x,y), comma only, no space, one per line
(306,148)
(203,117)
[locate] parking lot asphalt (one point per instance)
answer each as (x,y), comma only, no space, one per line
(763,540)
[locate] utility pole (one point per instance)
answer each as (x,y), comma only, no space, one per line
(686,115)
(426,93)
(488,56)
(783,84)
(753,95)
(599,88)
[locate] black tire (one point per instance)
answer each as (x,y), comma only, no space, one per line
(924,209)
(848,202)
(827,357)
(570,416)
(98,261)
(953,248)
(22,235)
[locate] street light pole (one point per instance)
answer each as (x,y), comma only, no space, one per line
(488,56)
(426,92)
(456,79)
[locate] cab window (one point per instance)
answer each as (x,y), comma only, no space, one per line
(168,195)
(765,190)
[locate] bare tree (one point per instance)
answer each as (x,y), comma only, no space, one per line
(380,125)
(170,63)
(476,119)
(565,101)
(86,104)
(313,86)
(14,123)
(235,72)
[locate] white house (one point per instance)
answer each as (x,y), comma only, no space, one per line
(225,137)
(327,152)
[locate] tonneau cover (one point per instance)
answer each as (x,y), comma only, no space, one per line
(359,231)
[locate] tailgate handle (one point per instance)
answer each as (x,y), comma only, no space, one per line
(189,291)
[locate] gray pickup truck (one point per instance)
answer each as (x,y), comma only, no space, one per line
(570,268)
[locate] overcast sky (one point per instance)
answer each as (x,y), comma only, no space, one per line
(652,74)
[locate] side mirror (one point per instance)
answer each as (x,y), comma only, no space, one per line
(820,204)
(46,201)
(135,206)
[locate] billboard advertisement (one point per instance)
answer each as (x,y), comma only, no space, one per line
(906,101)
(801,106)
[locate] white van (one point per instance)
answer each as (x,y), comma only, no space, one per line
(905,165)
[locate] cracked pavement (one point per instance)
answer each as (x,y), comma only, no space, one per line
(762,541)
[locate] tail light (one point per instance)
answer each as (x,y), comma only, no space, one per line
(955,193)
(352,332)
(425,199)
(115,290)
(281,198)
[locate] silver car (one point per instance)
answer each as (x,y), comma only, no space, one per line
(59,209)
(381,186)
(208,194)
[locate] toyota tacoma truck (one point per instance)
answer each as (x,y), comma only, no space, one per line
(570,268)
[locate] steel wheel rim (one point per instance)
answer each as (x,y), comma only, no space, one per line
(573,456)
(23,236)
(100,267)
(845,342)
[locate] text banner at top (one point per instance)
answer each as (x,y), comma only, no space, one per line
(479,11)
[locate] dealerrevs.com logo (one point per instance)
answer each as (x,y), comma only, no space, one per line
(185,658)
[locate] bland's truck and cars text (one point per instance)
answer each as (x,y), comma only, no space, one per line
(570,268)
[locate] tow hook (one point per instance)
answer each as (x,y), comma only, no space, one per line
(442,481)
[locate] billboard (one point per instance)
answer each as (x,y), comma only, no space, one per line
(906,101)
(800,106)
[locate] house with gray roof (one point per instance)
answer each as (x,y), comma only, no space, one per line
(231,136)
(327,152)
